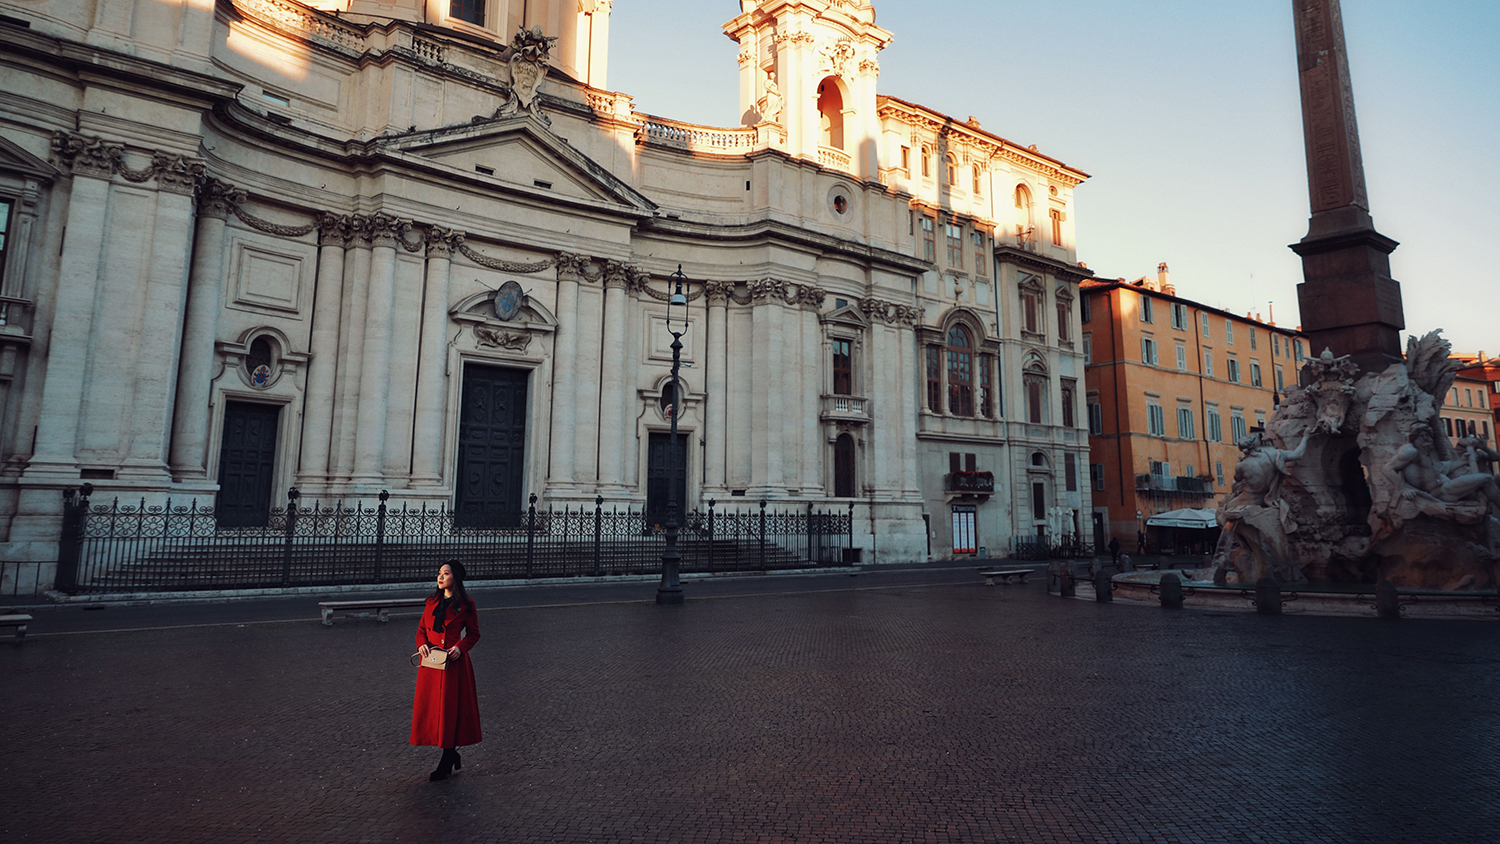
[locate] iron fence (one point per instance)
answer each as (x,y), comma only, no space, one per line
(1062,547)
(130,548)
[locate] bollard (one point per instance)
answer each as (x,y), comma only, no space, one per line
(1065,585)
(1104,587)
(1125,564)
(1171,591)
(1387,601)
(1267,597)
(1054,578)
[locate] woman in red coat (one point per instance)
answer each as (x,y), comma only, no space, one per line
(446,710)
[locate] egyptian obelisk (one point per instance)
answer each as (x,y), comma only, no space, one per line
(1348,300)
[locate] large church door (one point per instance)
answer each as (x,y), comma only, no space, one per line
(247,461)
(659,474)
(491,447)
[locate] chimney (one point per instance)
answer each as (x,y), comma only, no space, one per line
(1162,283)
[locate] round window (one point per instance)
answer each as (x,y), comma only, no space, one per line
(840,201)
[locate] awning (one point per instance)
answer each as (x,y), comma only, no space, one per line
(1186,518)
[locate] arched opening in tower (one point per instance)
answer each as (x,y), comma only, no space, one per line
(831,113)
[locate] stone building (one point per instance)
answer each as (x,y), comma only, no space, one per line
(1172,386)
(422,247)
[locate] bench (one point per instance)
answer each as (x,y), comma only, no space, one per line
(17,620)
(362,609)
(1008,574)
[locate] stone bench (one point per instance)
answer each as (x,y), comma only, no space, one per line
(1009,575)
(362,609)
(17,620)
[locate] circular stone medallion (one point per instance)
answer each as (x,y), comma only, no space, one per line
(508,300)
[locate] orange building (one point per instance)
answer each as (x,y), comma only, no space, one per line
(1171,386)
(1469,408)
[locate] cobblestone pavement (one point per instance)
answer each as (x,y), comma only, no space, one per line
(920,708)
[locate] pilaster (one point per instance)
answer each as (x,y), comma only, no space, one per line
(432,373)
(318,403)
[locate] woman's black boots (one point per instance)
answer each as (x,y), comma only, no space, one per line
(446,765)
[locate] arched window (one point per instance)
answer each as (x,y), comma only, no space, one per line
(978,189)
(960,372)
(926,161)
(952,169)
(258,362)
(668,400)
(831,111)
(843,466)
(1024,228)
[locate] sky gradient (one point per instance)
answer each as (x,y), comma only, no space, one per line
(1188,117)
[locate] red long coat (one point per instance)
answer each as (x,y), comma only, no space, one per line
(445,712)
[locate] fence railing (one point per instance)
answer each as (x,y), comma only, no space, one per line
(1062,547)
(117,547)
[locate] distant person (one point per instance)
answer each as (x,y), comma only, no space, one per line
(1140,542)
(445,712)
(1114,550)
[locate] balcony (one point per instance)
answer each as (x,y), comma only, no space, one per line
(835,159)
(1166,485)
(970,483)
(846,409)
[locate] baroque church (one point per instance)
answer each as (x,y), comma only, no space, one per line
(421,246)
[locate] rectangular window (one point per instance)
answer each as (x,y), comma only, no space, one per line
(1186,430)
(1179,315)
(1057,221)
(1148,351)
(934,379)
(986,394)
(843,368)
(1280,385)
(1088,349)
(1156,419)
(1297,349)
(5,208)
(1254,374)
(1064,316)
(1096,418)
(1034,399)
(1067,405)
(1234,370)
(1146,309)
(1228,332)
(1181,358)
(1038,501)
(1275,345)
(1448,426)
(981,258)
(1031,311)
(1469,396)
(965,540)
(467,10)
(1237,427)
(1219,473)
(1215,425)
(1096,475)
(1260,419)
(1085,307)
(929,239)
(1252,339)
(1208,363)
(906,160)
(955,237)
(1070,471)
(960,382)
(1203,318)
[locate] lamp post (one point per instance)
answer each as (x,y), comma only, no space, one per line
(670,589)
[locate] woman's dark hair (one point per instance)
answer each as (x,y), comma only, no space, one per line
(458,584)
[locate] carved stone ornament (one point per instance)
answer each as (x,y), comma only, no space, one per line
(838,56)
(509,300)
(86,155)
(617,274)
(510,341)
(890,313)
(530,53)
(442,242)
(718,292)
(218,199)
(176,173)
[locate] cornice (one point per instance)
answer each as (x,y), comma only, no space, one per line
(1042,263)
(777,230)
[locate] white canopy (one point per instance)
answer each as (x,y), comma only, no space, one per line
(1187,518)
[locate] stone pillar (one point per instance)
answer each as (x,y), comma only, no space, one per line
(322,369)
(909,393)
(564,373)
(432,366)
(167,284)
(614,394)
(195,369)
(357,263)
(813,366)
(716,389)
(767,478)
(587,384)
(374,379)
(93,163)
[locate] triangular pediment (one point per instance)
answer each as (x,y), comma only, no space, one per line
(847,315)
(521,155)
(15,159)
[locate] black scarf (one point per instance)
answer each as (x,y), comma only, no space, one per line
(440,612)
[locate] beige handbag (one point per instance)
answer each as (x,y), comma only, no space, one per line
(436,658)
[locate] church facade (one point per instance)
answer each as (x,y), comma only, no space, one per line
(356,246)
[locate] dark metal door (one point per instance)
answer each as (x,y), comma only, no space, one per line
(491,447)
(247,462)
(658,472)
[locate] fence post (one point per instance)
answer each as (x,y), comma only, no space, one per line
(762,534)
(70,543)
(711,503)
(849,555)
(385,496)
(598,524)
(811,556)
(530,534)
(291,531)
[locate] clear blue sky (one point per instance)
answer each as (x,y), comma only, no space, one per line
(1187,115)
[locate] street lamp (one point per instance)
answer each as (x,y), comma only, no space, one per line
(670,589)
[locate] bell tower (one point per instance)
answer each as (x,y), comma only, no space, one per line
(809,67)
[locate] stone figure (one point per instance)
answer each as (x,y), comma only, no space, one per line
(1255,519)
(771,102)
(530,53)
(1332,390)
(1434,486)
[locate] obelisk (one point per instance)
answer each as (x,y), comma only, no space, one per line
(1349,301)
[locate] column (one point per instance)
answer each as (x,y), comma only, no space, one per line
(189,450)
(766,473)
(716,385)
(909,390)
(564,366)
(432,364)
(587,384)
(374,378)
(357,263)
(814,363)
(614,396)
(168,280)
(323,348)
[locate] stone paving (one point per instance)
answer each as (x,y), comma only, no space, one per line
(922,707)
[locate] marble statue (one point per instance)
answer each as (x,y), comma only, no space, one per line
(771,102)
(1256,521)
